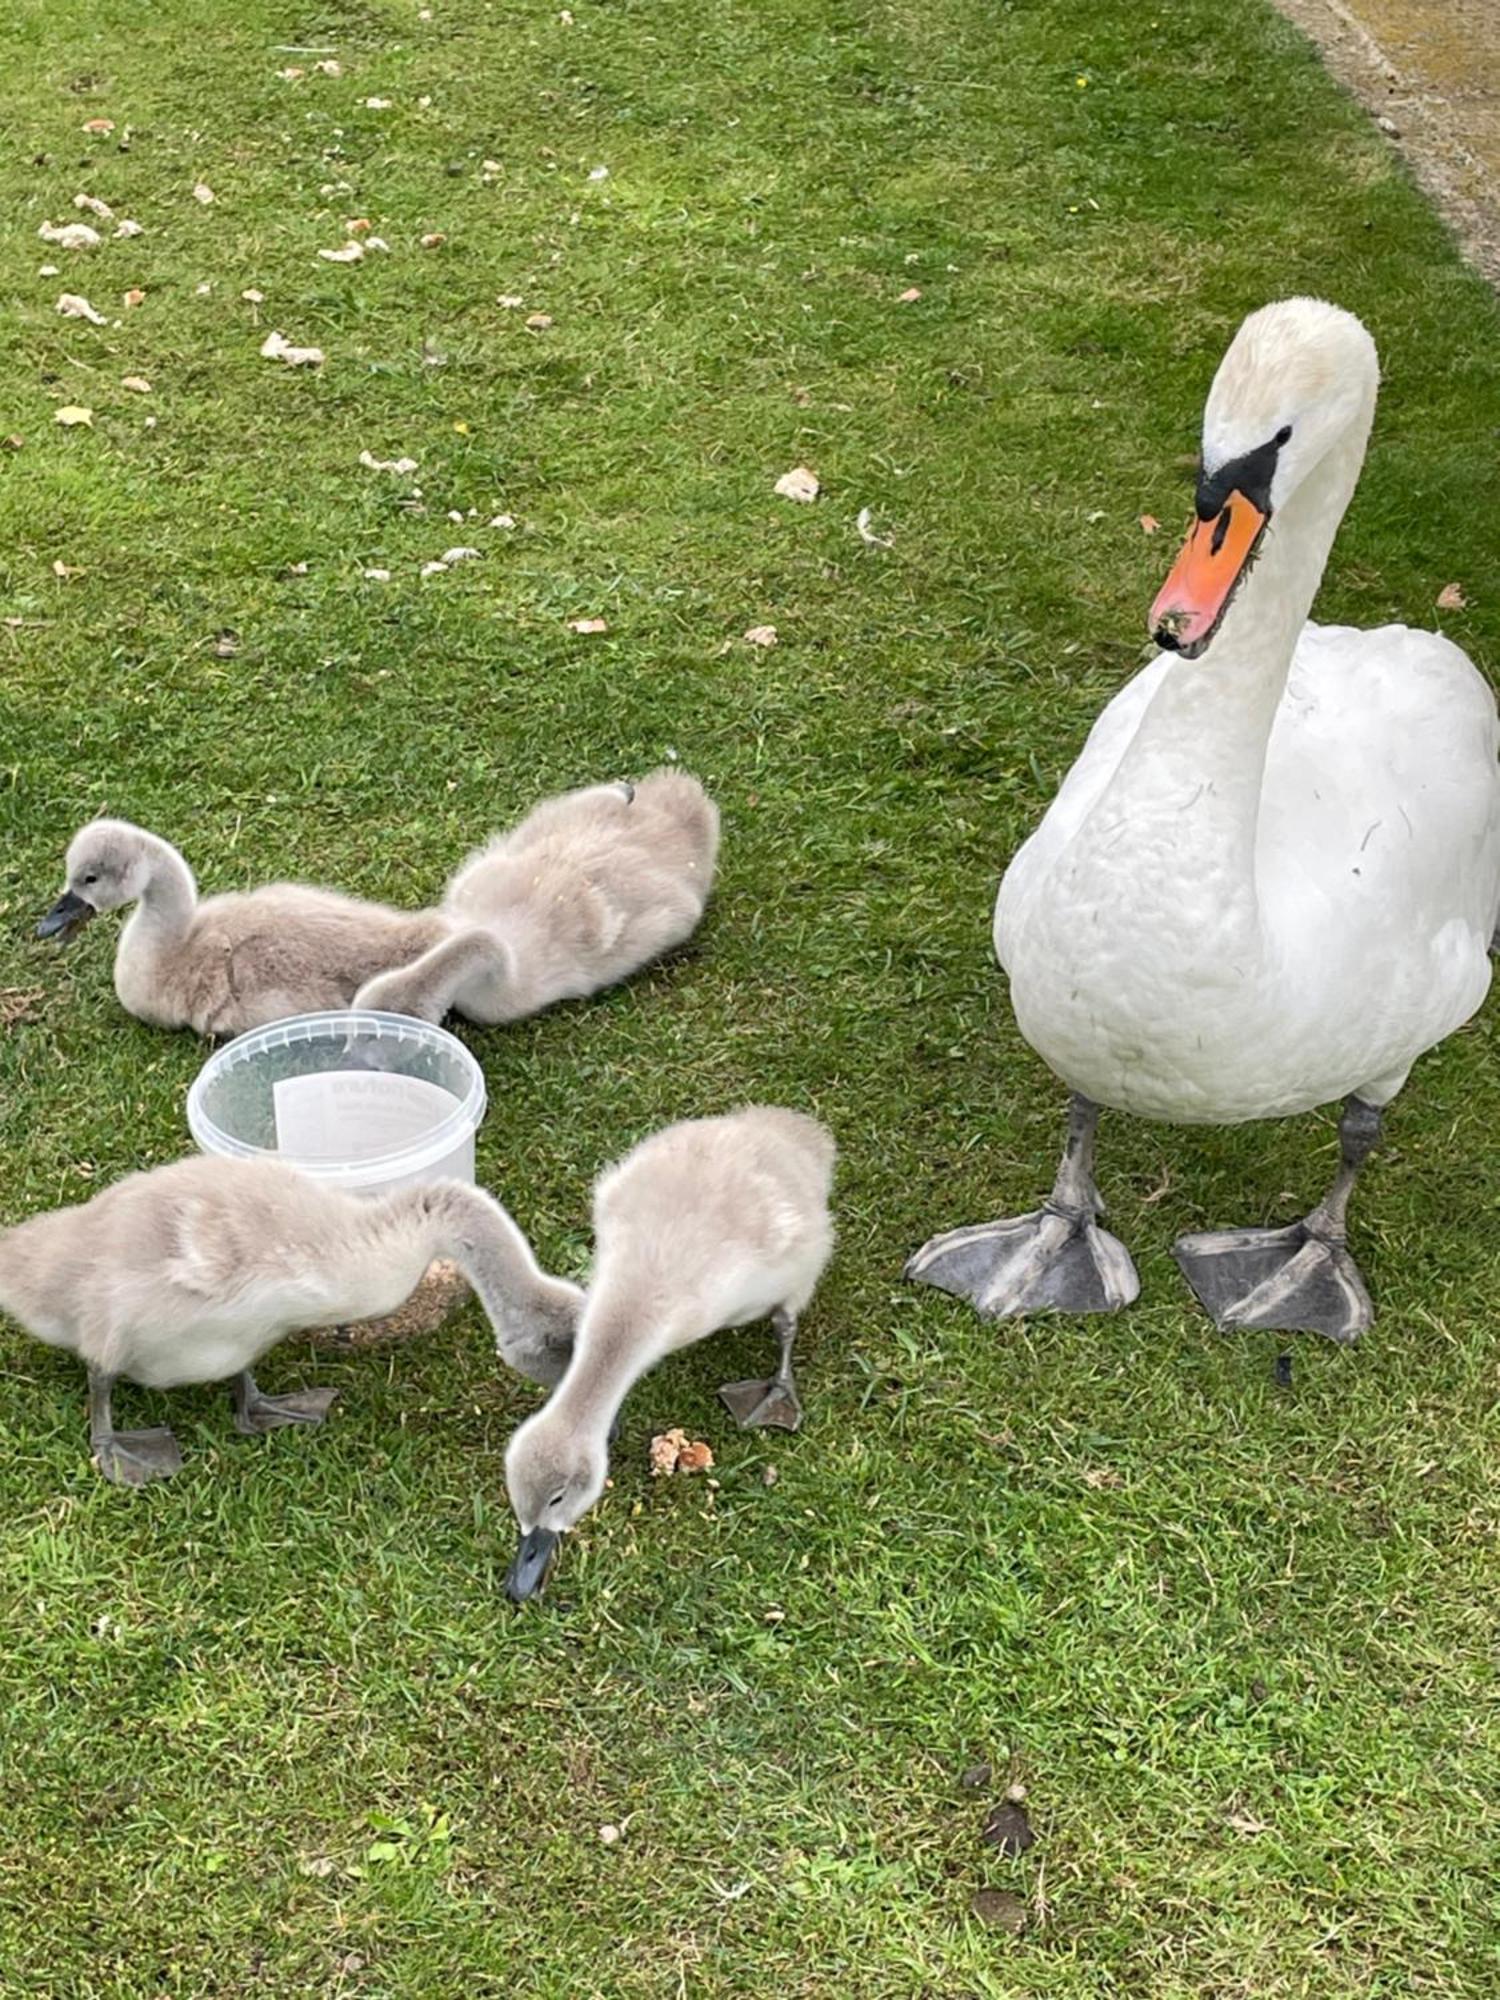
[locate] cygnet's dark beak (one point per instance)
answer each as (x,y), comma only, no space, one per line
(68,914)
(528,1572)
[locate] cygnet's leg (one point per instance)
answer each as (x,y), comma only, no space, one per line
(1300,1279)
(759,1405)
(255,1412)
(467,971)
(1056,1259)
(127,1458)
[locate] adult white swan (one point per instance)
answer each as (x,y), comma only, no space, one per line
(1272,877)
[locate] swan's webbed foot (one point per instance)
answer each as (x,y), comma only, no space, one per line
(764,1405)
(1283,1280)
(1043,1262)
(772,1404)
(255,1412)
(135,1458)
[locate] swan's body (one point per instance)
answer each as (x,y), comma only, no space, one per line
(589,887)
(193,1271)
(1161,964)
(712,1223)
(1272,877)
(234,961)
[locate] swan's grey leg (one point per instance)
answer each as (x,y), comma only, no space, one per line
(127,1458)
(1056,1259)
(758,1405)
(1300,1279)
(433,985)
(255,1412)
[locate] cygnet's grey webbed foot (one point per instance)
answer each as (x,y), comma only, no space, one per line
(135,1458)
(127,1458)
(1300,1279)
(772,1404)
(256,1413)
(1056,1259)
(1043,1262)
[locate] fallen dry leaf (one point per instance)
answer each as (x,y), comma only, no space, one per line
(63,571)
(1451,597)
(125,228)
(864,523)
(202,291)
(434,569)
(291,74)
(19,1003)
(358,225)
(347,253)
(92,205)
(761,635)
(801,483)
(452,556)
(204,194)
(599,173)
(1245,1824)
(374,464)
(329,67)
(910,296)
(538,322)
(69,235)
(502,520)
(377,243)
(588,625)
(99,125)
(377,104)
(253,297)
(376,575)
(433,239)
(510,300)
(134,297)
(71,415)
(276,347)
(71,306)
(47,271)
(136,383)
(1149,524)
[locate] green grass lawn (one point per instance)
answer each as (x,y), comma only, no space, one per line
(272,1728)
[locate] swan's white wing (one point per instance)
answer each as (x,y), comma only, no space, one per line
(1096,764)
(1378,856)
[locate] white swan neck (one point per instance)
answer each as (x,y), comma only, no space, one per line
(169,899)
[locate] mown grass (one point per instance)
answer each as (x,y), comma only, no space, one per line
(1113,1560)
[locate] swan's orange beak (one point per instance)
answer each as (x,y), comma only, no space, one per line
(1191,603)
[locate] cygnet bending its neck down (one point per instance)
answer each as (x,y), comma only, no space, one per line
(191,1272)
(591,886)
(708,1224)
(231,962)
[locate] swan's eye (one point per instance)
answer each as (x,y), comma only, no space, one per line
(557,1499)
(88,880)
(1284,435)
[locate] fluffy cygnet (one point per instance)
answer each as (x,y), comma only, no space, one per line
(590,887)
(708,1224)
(190,1272)
(231,962)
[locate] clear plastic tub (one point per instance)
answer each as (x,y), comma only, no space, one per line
(370,1102)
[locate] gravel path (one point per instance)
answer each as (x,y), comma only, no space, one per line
(1429,70)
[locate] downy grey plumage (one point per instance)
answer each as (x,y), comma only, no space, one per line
(191,1272)
(711,1223)
(591,886)
(234,961)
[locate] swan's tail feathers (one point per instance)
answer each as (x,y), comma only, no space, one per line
(678,800)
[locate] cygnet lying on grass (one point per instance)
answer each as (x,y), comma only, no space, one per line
(191,1272)
(590,887)
(708,1224)
(231,962)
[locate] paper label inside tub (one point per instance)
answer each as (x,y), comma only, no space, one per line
(353,1114)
